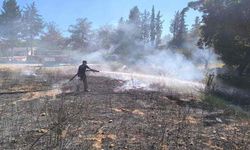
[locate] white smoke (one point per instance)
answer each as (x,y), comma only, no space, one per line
(151,65)
(168,63)
(154,62)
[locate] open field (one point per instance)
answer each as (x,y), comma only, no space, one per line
(40,110)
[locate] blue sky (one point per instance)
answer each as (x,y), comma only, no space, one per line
(102,12)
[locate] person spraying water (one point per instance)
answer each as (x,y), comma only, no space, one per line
(81,73)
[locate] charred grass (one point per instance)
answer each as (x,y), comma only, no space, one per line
(104,119)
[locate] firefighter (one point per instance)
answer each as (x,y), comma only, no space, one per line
(81,73)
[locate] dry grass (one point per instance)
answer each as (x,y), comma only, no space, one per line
(104,119)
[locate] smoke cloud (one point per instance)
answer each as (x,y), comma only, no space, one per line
(142,65)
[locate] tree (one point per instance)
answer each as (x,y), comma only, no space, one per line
(52,38)
(134,16)
(145,27)
(121,21)
(80,34)
(105,37)
(175,30)
(158,28)
(174,27)
(152,26)
(182,26)
(10,23)
(178,29)
(135,22)
(226,28)
(32,24)
(196,27)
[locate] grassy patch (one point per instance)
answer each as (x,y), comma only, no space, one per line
(214,101)
(217,102)
(236,81)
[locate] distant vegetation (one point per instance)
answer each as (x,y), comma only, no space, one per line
(224,27)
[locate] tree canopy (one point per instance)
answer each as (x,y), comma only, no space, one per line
(52,38)
(10,23)
(226,28)
(80,33)
(32,23)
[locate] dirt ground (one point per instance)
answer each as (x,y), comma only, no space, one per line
(40,110)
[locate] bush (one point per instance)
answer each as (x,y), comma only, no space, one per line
(242,82)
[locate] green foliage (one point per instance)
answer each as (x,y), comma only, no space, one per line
(105,36)
(178,29)
(145,26)
(158,28)
(134,16)
(10,23)
(226,28)
(174,27)
(32,23)
(152,26)
(236,81)
(52,38)
(132,34)
(121,21)
(216,102)
(134,22)
(80,34)
(195,31)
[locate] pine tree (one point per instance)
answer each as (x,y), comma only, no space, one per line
(10,23)
(158,28)
(135,22)
(174,28)
(152,26)
(178,29)
(32,24)
(52,38)
(195,28)
(121,21)
(134,16)
(225,27)
(145,27)
(182,26)
(80,34)
(105,38)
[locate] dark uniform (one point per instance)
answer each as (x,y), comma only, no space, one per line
(82,74)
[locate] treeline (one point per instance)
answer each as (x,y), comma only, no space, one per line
(224,27)
(26,27)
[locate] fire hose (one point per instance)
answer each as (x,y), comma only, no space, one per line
(93,70)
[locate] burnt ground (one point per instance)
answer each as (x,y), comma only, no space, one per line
(36,115)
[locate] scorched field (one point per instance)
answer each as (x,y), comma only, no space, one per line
(40,109)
